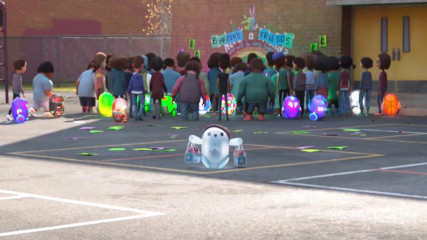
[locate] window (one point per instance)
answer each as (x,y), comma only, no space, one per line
(384,34)
(406,45)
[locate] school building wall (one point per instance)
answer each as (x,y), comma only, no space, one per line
(381,27)
(200,19)
(76,17)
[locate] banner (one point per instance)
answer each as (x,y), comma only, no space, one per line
(226,38)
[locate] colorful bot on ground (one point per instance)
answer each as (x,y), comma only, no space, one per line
(20,110)
(56,105)
(318,107)
(105,104)
(203,109)
(291,108)
(391,105)
(231,104)
(119,110)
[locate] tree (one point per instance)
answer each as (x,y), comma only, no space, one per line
(159,16)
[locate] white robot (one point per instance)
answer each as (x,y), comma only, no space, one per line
(215,144)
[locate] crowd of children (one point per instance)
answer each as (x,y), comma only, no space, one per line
(254,85)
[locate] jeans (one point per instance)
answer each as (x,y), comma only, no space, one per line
(380,99)
(262,107)
(300,95)
(136,105)
(283,93)
(344,102)
(189,107)
(367,95)
(309,94)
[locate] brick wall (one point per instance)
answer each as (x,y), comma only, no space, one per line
(307,19)
(38,17)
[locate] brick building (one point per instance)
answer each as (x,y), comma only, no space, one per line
(356,27)
(200,19)
(77,17)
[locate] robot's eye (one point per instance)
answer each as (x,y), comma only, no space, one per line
(209,133)
(222,134)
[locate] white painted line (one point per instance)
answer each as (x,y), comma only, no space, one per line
(12,197)
(323,176)
(355,190)
(81,224)
(84,203)
(405,166)
(350,172)
(142,213)
(389,131)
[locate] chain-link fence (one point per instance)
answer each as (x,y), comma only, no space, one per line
(70,55)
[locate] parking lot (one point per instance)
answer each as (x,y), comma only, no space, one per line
(60,179)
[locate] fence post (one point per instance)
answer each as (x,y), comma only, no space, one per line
(162,46)
(105,45)
(58,62)
(41,49)
(130,44)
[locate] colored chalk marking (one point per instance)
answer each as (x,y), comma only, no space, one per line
(87,154)
(309,126)
(300,132)
(260,132)
(87,128)
(178,128)
(304,147)
(173,135)
(310,150)
(116,149)
(329,134)
(351,130)
(143,149)
(338,147)
(96,131)
(76,138)
(237,130)
(166,150)
(360,135)
(116,128)
(160,148)
(154,125)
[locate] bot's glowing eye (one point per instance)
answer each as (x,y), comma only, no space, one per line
(295,104)
(222,134)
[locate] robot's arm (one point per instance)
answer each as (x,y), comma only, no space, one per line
(236,142)
(195,139)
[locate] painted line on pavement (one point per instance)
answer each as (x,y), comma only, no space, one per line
(391,194)
(12,197)
(401,171)
(293,181)
(73,225)
(141,213)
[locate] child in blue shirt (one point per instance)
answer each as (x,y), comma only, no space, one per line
(365,85)
(136,88)
(321,86)
(169,74)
